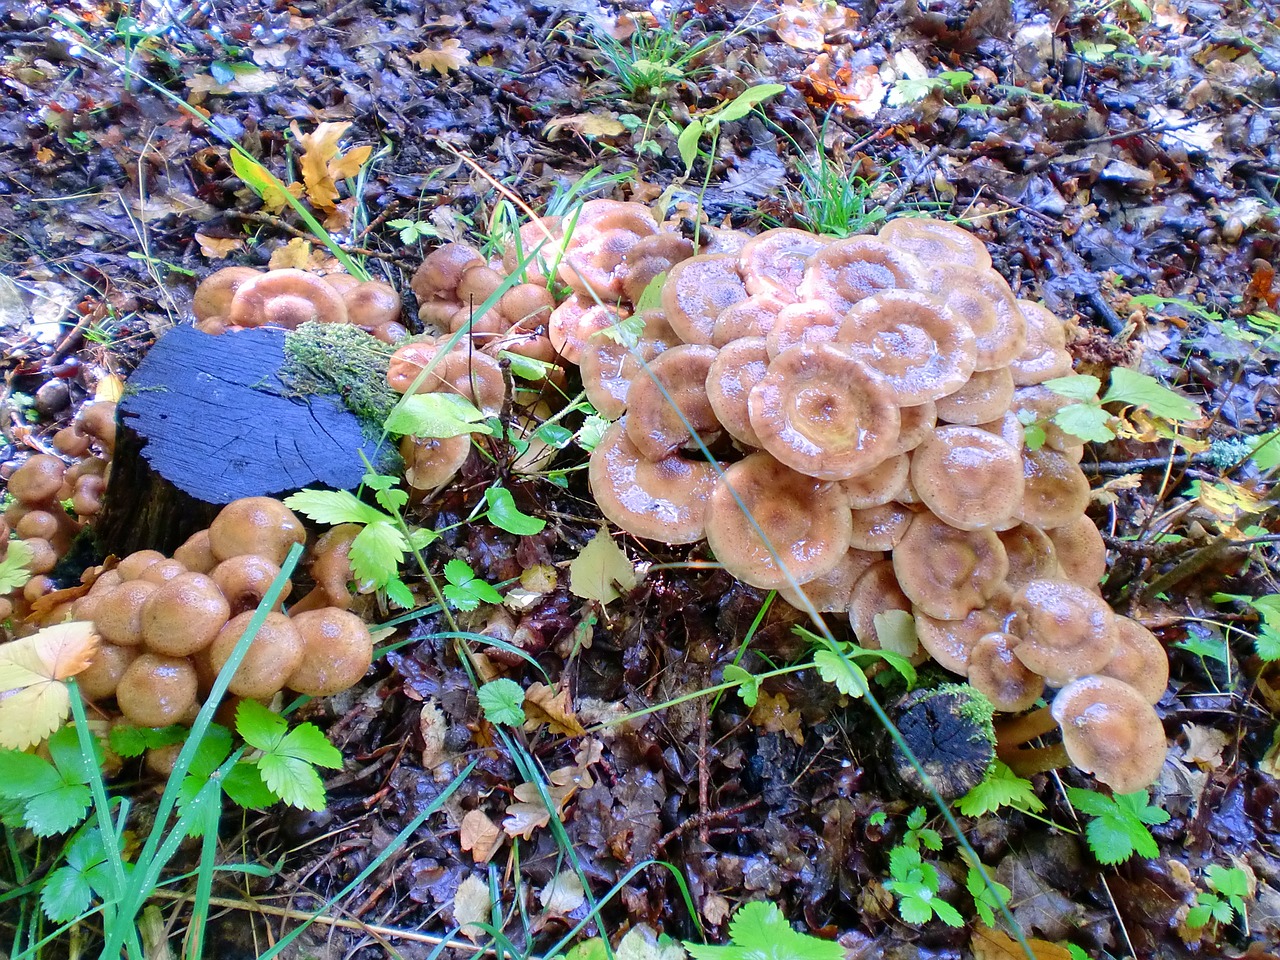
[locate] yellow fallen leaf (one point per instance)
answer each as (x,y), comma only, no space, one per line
(587,124)
(543,705)
(479,835)
(348,164)
(989,944)
(215,248)
(34,700)
(472,907)
(599,569)
(110,387)
(448,56)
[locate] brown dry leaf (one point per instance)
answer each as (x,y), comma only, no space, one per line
(587,124)
(525,816)
(433,727)
(448,56)
(110,387)
(542,704)
(861,90)
(51,601)
(348,164)
(563,894)
(775,715)
(216,248)
(989,944)
(480,835)
(471,907)
(44,155)
(804,24)
(33,698)
(319,148)
(1204,745)
(274,199)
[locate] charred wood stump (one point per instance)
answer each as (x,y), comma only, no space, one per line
(206,420)
(949,730)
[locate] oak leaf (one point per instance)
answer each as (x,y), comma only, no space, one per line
(480,835)
(216,248)
(450,55)
(544,705)
(34,699)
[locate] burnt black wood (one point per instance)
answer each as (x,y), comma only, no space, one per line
(206,420)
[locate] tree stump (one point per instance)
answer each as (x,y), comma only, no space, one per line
(206,420)
(949,730)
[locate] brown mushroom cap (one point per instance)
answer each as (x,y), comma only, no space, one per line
(1045,355)
(117,615)
(970,478)
(1110,731)
(649,258)
(162,572)
(1031,554)
(983,301)
(597,263)
(259,525)
(608,367)
(697,291)
(195,553)
(664,500)
(915,426)
(1081,551)
(1008,429)
(98,420)
(810,322)
(131,567)
(916,346)
(951,642)
(99,680)
(214,293)
(878,485)
(735,371)
(541,242)
(833,591)
(286,298)
(432,462)
(183,615)
(606,214)
(155,691)
(1140,660)
(573,322)
(752,317)
(275,652)
(38,523)
(822,413)
(668,404)
(879,528)
(805,524)
(876,592)
(946,572)
(87,499)
(476,285)
(442,268)
(773,262)
(936,241)
(245,580)
(1002,677)
(1067,632)
(371,304)
(43,555)
(470,374)
(528,306)
(984,397)
(407,363)
(1039,404)
(1056,491)
(71,442)
(722,240)
(331,569)
(337,652)
(38,480)
(847,271)
(342,282)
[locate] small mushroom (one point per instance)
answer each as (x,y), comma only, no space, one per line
(773,262)
(244,581)
(1045,355)
(430,463)
(984,397)
(337,652)
(1081,551)
(951,642)
(936,241)
(527,306)
(98,420)
(982,300)
(1031,554)
(608,367)
(195,553)
(946,572)
(734,372)
(1001,676)
(117,614)
(156,691)
(597,263)
(809,322)
(100,679)
(879,528)
(916,423)
(823,413)
(259,525)
(772,527)
(275,652)
(876,592)
(651,257)
(848,271)
(664,500)
(697,291)
(286,298)
(214,294)
(132,566)
(970,478)
(1039,404)
(1056,491)
(752,317)
(470,374)
(573,323)
(162,572)
(372,304)
(667,405)
(878,485)
(1140,660)
(833,591)
(1066,632)
(442,268)
(1109,730)
(331,570)
(38,480)
(183,615)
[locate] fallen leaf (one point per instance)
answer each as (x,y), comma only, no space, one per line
(296,254)
(110,387)
(44,155)
(543,705)
(587,124)
(563,894)
(989,944)
(471,907)
(33,698)
(480,835)
(600,565)
(522,818)
(1204,745)
(432,726)
(775,715)
(448,56)
(804,24)
(216,248)
(860,90)
(319,148)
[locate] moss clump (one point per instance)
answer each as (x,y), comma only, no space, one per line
(341,360)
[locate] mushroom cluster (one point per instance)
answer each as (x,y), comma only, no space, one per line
(43,485)
(235,298)
(866,399)
(169,624)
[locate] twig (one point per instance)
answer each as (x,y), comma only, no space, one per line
(1189,567)
(1109,468)
(910,181)
(1138,131)
(699,820)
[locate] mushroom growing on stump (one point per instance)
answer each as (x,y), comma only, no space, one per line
(286,298)
(337,651)
(259,525)
(275,652)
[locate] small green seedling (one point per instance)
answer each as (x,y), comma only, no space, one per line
(1223,902)
(1119,827)
(987,900)
(759,931)
(1001,787)
(709,123)
(915,884)
(464,590)
(502,702)
(918,835)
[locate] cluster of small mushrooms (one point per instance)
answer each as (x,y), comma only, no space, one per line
(40,488)
(169,624)
(238,298)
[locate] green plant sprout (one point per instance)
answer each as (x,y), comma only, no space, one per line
(1001,787)
(915,883)
(464,590)
(502,701)
(1087,419)
(1119,827)
(1223,902)
(987,900)
(652,60)
(918,835)
(911,90)
(759,931)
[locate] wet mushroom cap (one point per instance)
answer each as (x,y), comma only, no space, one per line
(441,270)
(1001,676)
(156,691)
(697,291)
(132,566)
(118,613)
(668,403)
(1067,631)
(970,478)
(805,523)
(809,322)
(258,525)
(651,257)
(915,426)
(833,591)
(773,262)
(162,572)
(735,371)
(1056,491)
(286,298)
(99,680)
(38,480)
(372,303)
(573,323)
(1031,554)
(275,652)
(214,294)
(936,241)
(879,485)
(609,367)
(1081,551)
(245,580)
(1109,730)
(1044,357)
(875,592)
(983,301)
(946,572)
(848,271)
(1140,660)
(664,500)
(879,528)
(472,375)
(951,642)
(184,615)
(337,652)
(984,397)
(752,317)
(822,413)
(432,462)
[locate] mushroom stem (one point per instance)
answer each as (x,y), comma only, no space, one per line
(1018,730)
(1026,761)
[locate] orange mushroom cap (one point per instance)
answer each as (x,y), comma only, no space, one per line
(735,371)
(1001,676)
(970,478)
(773,262)
(876,592)
(1110,731)
(946,572)
(1140,660)
(848,271)
(286,298)
(668,404)
(697,291)
(936,241)
(1067,632)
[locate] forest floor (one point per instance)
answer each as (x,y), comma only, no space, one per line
(1122,163)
